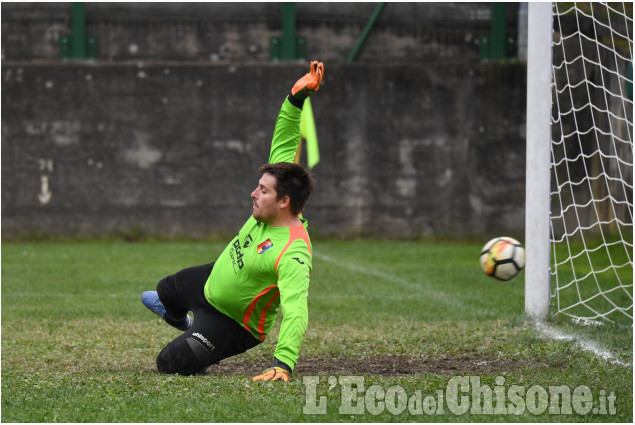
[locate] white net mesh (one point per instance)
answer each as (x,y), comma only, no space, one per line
(592,162)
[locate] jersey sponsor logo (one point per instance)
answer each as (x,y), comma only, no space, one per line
(298,260)
(264,246)
(239,254)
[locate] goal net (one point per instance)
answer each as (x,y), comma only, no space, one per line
(591,195)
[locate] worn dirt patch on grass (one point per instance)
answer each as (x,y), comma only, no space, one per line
(384,365)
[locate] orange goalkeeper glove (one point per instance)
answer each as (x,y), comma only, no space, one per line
(273,374)
(278,371)
(310,83)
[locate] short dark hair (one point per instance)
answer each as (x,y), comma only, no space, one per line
(292,180)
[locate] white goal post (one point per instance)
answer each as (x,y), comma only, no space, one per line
(579,173)
(537,287)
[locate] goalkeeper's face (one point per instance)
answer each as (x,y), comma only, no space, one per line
(266,206)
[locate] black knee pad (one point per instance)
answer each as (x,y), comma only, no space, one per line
(186,357)
(162,286)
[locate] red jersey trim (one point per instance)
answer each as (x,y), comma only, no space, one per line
(295,233)
(252,305)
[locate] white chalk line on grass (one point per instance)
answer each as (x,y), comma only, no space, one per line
(543,328)
(420,287)
(583,343)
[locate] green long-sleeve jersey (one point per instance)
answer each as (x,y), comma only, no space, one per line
(264,268)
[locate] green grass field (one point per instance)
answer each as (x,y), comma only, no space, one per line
(409,318)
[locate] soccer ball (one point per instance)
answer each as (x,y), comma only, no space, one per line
(502,258)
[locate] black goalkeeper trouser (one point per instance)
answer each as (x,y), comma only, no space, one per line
(211,338)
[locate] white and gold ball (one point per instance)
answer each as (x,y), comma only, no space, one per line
(502,258)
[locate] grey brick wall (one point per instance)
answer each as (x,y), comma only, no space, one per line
(173,149)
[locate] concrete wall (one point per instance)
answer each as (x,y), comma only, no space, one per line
(173,149)
(437,32)
(164,133)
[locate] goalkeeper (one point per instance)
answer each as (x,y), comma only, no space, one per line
(235,300)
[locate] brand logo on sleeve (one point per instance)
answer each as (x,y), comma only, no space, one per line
(264,246)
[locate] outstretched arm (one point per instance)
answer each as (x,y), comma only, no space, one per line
(293,282)
(286,134)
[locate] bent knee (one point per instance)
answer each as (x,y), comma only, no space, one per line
(185,357)
(163,286)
